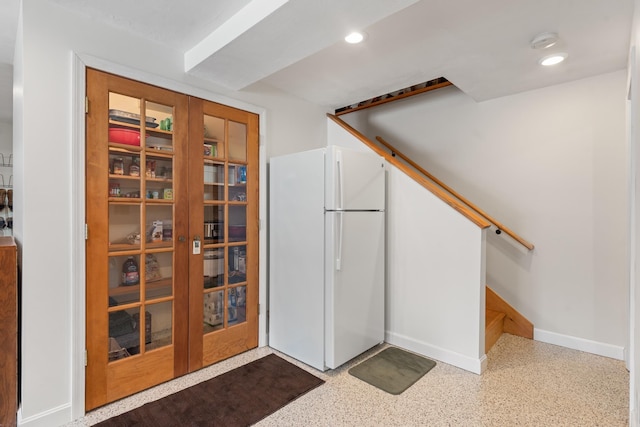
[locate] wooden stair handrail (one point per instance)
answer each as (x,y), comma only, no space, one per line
(439,192)
(499,225)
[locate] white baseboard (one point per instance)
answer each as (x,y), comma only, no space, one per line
(53,417)
(476,366)
(594,347)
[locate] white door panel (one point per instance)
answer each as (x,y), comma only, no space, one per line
(355,284)
(355,180)
(296,285)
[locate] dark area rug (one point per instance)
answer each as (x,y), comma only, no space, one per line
(393,370)
(240,397)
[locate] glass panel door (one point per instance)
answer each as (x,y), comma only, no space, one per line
(136,150)
(228,284)
(172,248)
(140,222)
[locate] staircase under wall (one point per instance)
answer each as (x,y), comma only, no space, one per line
(453,230)
(501,317)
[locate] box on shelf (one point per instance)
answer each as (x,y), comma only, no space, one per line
(213,306)
(155,232)
(213,263)
(167,229)
(209,173)
(242,174)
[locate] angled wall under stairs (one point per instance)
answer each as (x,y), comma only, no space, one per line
(435,267)
(501,317)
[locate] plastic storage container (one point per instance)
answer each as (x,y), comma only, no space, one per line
(124,136)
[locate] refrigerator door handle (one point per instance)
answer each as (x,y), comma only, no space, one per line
(340,185)
(339,241)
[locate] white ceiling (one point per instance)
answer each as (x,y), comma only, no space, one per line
(296,45)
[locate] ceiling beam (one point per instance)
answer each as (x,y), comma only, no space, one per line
(238,24)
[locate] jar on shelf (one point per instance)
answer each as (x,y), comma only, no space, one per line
(114,189)
(134,167)
(118,166)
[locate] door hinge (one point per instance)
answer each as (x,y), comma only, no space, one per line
(86,105)
(86,232)
(259,309)
(85,357)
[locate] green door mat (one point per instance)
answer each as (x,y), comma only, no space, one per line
(392,370)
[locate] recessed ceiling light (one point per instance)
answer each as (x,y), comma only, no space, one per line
(554,59)
(354,37)
(544,40)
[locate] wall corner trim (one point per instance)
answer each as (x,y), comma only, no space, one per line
(581,344)
(53,417)
(471,364)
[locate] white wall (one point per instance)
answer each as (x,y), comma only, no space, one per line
(43,136)
(551,165)
(634,219)
(435,276)
(435,271)
(6,136)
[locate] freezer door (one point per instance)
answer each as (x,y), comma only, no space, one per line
(355,180)
(354,294)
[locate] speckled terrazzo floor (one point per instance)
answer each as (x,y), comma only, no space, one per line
(527,383)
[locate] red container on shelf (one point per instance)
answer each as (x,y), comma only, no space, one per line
(124,136)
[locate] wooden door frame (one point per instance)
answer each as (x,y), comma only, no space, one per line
(78,254)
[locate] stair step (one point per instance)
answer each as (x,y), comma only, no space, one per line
(494,324)
(515,323)
(492,316)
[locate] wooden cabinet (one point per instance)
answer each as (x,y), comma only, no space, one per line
(172,214)
(8,332)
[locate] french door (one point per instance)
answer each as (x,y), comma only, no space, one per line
(172,235)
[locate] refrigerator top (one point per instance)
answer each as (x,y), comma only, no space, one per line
(355,180)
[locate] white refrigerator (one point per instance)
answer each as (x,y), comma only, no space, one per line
(326,258)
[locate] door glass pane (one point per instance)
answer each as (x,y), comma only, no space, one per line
(237,264)
(213,137)
(213,224)
(124,175)
(123,110)
(213,181)
(159,127)
(124,280)
(213,309)
(237,305)
(124,128)
(159,326)
(237,141)
(159,225)
(124,227)
(124,334)
(213,268)
(158,275)
(159,177)
(237,183)
(237,223)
